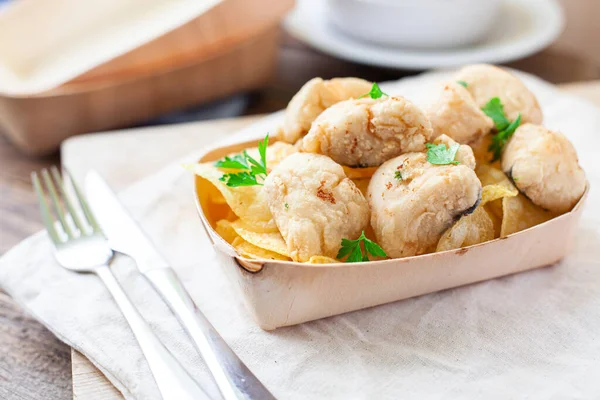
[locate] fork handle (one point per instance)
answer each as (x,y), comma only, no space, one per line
(234,379)
(174,383)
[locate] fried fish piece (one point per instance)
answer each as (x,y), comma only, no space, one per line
(315,205)
(456,114)
(313,98)
(543,165)
(485,82)
(367,132)
(413,202)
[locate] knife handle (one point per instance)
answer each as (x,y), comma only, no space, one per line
(173,381)
(234,379)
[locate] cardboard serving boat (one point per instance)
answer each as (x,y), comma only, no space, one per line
(282,293)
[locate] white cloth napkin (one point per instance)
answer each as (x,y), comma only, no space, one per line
(531,335)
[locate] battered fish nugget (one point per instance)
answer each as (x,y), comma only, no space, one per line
(413,202)
(367,132)
(313,98)
(543,165)
(315,205)
(456,114)
(485,82)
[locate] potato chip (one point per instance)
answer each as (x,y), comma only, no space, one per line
(359,173)
(322,260)
(482,155)
(519,213)
(248,250)
(491,176)
(272,241)
(496,219)
(217,198)
(468,230)
(225,229)
(362,185)
(247,202)
(494,192)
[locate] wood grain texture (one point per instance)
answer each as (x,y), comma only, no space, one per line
(34,364)
(88,381)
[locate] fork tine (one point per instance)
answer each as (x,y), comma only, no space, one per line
(45,209)
(84,205)
(67,200)
(58,208)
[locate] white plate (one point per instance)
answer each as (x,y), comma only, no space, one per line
(524,27)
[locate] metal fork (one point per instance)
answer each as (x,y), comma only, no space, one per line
(82,247)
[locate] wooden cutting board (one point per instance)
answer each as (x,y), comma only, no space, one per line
(123,157)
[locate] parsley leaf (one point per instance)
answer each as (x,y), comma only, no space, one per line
(500,139)
(439,154)
(262,150)
(239,179)
(398,175)
(463,83)
(235,162)
(250,167)
(495,110)
(352,249)
(375,92)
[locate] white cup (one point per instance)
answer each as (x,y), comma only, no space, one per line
(415,23)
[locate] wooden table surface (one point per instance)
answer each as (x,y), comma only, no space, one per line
(35,365)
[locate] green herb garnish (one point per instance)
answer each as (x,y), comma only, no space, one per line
(354,251)
(235,162)
(375,92)
(253,171)
(398,175)
(500,139)
(495,110)
(440,154)
(287,206)
(463,83)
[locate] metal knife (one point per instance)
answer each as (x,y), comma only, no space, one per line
(233,378)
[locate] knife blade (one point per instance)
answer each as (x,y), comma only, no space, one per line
(234,379)
(122,231)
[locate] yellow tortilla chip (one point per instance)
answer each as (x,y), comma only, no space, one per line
(248,250)
(272,241)
(519,213)
(467,231)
